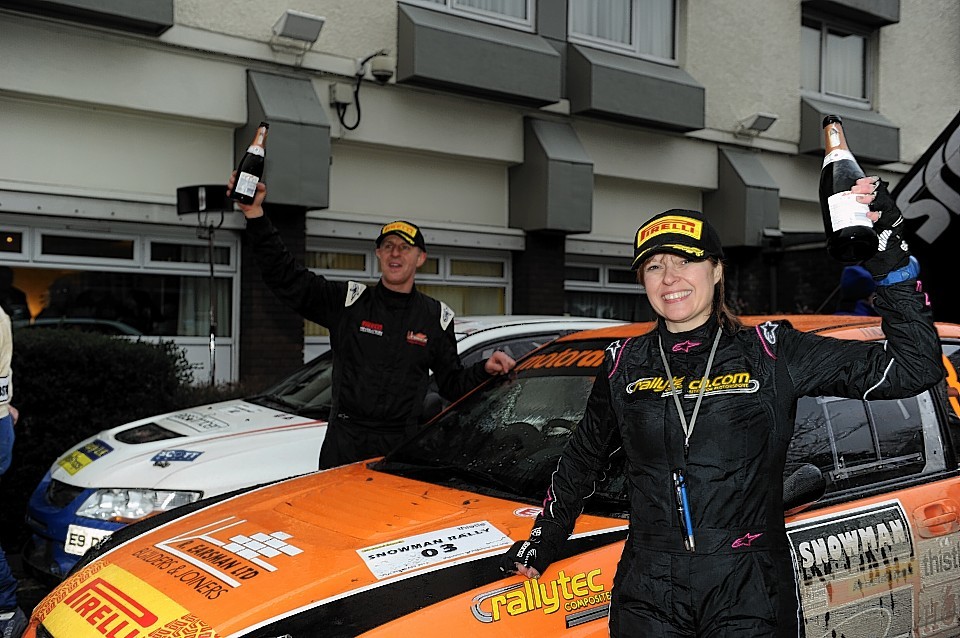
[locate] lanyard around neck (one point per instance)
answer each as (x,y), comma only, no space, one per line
(672,388)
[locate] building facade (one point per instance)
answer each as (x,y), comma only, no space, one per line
(528,138)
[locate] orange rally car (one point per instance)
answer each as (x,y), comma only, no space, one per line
(408,545)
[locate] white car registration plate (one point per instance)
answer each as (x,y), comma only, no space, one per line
(80,539)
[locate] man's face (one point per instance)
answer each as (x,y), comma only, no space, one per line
(398,263)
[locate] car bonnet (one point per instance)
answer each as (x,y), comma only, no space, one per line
(310,545)
(224,430)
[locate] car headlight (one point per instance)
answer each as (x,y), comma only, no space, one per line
(131,505)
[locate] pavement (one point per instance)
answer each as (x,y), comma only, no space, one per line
(29,591)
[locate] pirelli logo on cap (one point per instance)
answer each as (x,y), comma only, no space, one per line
(678,225)
(400,227)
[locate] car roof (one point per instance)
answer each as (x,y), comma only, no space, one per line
(471,324)
(839,326)
(87,324)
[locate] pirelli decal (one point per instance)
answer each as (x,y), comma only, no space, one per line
(112,602)
(678,224)
(857,572)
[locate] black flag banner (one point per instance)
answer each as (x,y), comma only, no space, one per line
(929,198)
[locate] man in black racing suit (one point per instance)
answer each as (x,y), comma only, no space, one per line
(385,339)
(736,577)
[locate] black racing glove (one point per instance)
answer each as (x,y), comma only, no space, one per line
(542,548)
(892,253)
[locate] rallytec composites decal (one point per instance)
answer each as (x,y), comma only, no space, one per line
(352,613)
(857,572)
(107,601)
(580,595)
(424,550)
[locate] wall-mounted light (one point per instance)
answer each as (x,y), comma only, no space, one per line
(755,124)
(296,32)
(381,68)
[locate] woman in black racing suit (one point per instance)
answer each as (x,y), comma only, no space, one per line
(703,408)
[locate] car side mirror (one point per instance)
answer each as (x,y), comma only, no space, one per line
(803,487)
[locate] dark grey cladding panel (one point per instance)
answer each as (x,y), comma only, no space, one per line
(626,88)
(877,13)
(872,138)
(472,57)
(297,170)
(553,189)
(151,17)
(747,200)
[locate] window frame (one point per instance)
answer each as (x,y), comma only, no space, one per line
(316,344)
(826,24)
(632,51)
(454,8)
(603,284)
(26,243)
(190,266)
(136,259)
(934,452)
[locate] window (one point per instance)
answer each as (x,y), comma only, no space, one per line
(516,347)
(859,443)
(186,254)
(644,28)
(11,242)
(119,284)
(514,13)
(469,285)
(330,260)
(76,246)
(835,60)
(131,303)
(604,290)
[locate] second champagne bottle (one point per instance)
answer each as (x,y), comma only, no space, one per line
(250,168)
(850,234)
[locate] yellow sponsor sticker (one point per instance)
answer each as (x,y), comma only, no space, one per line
(113,602)
(84,456)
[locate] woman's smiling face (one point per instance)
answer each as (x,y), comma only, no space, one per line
(680,289)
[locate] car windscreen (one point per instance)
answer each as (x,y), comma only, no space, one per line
(506,437)
(307,392)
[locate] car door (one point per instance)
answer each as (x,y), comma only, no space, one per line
(880,555)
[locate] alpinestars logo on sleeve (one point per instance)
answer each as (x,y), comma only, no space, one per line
(769,332)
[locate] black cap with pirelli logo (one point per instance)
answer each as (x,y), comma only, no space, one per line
(681,232)
(404,230)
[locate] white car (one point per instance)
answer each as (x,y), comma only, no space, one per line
(133,471)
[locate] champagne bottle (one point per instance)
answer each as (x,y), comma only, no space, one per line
(850,234)
(250,168)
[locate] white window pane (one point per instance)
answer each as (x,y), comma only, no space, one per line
(810,59)
(510,8)
(463,300)
(844,68)
(655,32)
(604,19)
